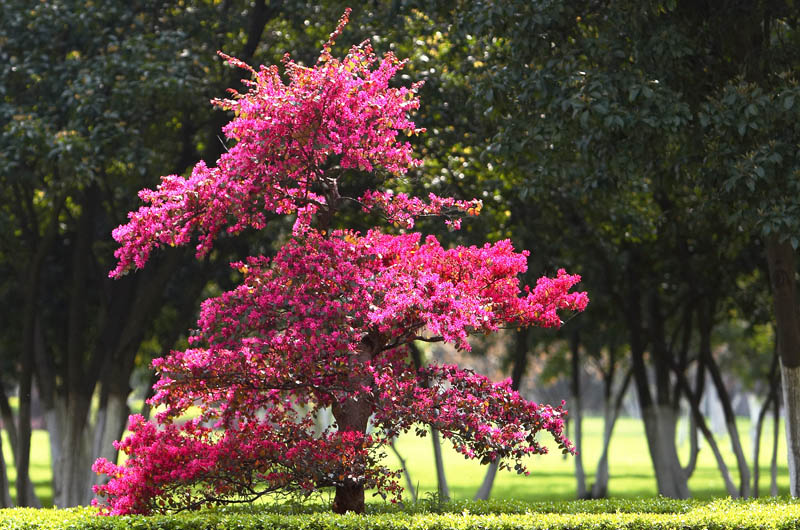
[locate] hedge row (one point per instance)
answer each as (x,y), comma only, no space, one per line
(655,514)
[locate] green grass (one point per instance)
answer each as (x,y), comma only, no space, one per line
(552,476)
(40,470)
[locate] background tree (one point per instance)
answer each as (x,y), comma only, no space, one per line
(94,100)
(603,108)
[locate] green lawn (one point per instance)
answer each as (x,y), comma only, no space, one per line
(552,476)
(40,466)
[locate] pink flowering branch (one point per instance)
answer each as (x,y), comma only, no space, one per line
(401,209)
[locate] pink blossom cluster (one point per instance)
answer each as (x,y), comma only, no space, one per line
(288,135)
(247,459)
(326,322)
(484,420)
(402,209)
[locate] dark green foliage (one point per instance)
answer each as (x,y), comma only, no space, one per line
(658,513)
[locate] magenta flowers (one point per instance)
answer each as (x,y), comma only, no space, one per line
(327,321)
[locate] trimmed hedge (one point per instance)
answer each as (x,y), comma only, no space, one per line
(647,514)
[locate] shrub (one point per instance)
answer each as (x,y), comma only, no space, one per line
(646,514)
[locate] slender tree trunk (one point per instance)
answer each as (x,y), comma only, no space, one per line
(782,269)
(773,468)
(406,474)
(442,489)
(5,494)
(772,395)
(694,402)
(22,458)
(109,425)
(757,444)
(611,413)
(55,415)
(705,325)
(147,409)
(577,415)
(519,366)
(659,415)
(659,423)
(7,416)
(485,488)
(8,423)
(694,450)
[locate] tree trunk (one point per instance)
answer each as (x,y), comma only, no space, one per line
(518,368)
(773,468)
(577,414)
(488,481)
(705,321)
(352,415)
(53,422)
(694,450)
(736,447)
(442,490)
(659,416)
(72,471)
(610,415)
(7,416)
(659,425)
(406,474)
(782,269)
(757,444)
(110,425)
(762,414)
(694,402)
(22,458)
(5,494)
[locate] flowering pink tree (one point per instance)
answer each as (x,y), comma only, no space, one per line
(328,321)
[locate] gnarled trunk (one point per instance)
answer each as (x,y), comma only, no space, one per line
(351,415)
